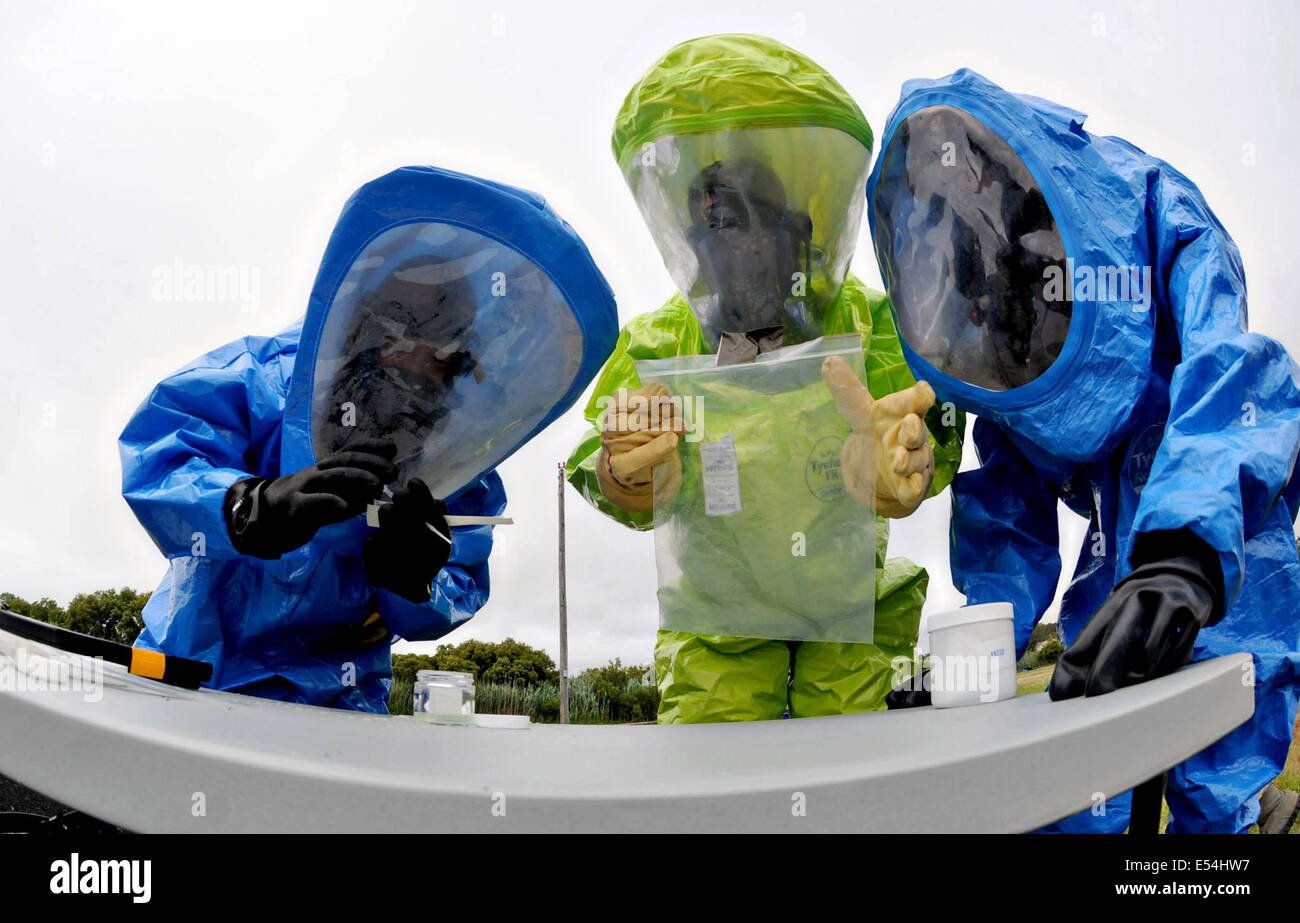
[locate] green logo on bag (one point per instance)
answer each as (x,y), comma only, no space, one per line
(822,473)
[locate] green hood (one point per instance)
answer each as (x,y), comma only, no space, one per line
(725,81)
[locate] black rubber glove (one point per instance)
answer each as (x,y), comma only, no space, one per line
(1148,624)
(912,694)
(269,518)
(405,554)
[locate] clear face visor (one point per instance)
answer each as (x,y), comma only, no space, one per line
(447,344)
(968,248)
(757,226)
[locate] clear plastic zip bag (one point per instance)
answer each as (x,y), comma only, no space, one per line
(759,538)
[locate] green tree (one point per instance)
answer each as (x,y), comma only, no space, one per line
(509,661)
(115,615)
(44,609)
(1043,631)
(513,662)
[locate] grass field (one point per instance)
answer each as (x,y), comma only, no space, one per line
(1032,681)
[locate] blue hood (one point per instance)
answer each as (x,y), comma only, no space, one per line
(1097,191)
(502,241)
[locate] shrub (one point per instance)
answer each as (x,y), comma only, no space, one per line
(1050,652)
(598,701)
(1043,653)
(401,696)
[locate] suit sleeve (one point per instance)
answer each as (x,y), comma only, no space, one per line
(197,433)
(1005,543)
(461,588)
(1230,444)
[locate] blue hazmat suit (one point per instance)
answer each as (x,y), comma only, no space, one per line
(308,627)
(1124,381)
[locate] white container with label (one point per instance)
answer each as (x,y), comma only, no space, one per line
(972,655)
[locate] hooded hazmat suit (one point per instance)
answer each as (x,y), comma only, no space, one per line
(1082,299)
(516,320)
(744,156)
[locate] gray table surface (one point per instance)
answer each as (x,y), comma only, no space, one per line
(154,758)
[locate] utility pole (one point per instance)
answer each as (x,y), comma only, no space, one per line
(564,613)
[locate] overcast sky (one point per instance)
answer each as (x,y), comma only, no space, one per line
(229,135)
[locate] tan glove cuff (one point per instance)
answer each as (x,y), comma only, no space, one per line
(637,498)
(891,508)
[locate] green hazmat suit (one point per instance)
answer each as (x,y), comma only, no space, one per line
(705,678)
(748,162)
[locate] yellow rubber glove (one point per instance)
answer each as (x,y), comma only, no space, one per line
(889,437)
(639,430)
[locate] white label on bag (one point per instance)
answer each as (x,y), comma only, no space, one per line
(721,476)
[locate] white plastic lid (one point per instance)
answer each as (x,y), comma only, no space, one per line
(985,612)
(512,722)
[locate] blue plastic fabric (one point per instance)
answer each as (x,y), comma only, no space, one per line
(302,628)
(1156,416)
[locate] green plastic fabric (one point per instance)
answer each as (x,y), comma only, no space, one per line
(707,678)
(723,81)
(712,678)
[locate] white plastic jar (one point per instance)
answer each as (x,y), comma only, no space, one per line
(443,697)
(972,655)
